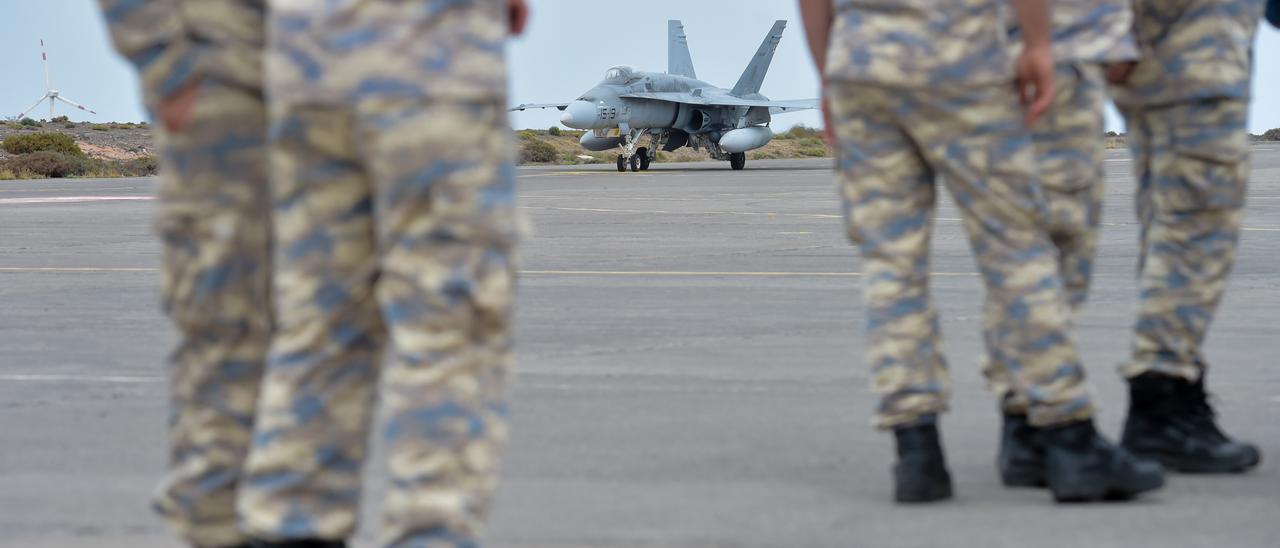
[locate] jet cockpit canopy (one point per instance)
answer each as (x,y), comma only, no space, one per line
(620,73)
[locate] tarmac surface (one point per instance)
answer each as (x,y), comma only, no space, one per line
(689,373)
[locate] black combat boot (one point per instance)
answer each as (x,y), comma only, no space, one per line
(1082,466)
(1021,460)
(299,543)
(920,474)
(1171,421)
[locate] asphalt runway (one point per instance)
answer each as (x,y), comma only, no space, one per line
(689,373)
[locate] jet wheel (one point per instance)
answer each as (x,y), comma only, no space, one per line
(635,162)
(622,164)
(645,158)
(738,160)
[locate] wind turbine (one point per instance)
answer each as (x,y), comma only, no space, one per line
(51,94)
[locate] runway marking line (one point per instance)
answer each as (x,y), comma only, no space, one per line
(601,273)
(113,379)
(74,199)
(65,189)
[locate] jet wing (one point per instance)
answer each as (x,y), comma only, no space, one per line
(527,106)
(724,100)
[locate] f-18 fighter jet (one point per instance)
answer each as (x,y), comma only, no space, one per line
(675,109)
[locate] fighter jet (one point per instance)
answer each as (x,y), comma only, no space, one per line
(675,109)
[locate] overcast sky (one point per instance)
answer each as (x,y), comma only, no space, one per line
(566,50)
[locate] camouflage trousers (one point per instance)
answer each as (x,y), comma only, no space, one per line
(1192,167)
(213,220)
(1069,150)
(893,146)
(395,224)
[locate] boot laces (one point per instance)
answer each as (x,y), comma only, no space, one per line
(1199,411)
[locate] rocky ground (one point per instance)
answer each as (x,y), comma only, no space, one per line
(107,141)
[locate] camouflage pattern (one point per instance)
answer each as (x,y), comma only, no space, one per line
(893,144)
(1191,49)
(1192,164)
(1186,107)
(395,223)
(174,42)
(1087,31)
(1069,153)
(213,220)
(919,43)
(337,51)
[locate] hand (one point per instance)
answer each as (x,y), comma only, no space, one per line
(175,110)
(517,16)
(1035,80)
(828,130)
(1118,73)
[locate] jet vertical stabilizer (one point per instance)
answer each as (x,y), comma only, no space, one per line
(679,62)
(753,77)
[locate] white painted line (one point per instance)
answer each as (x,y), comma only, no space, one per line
(111,379)
(74,199)
(72,269)
(628,273)
(664,212)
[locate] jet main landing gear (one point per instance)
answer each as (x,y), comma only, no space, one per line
(738,160)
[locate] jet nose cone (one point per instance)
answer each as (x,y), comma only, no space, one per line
(579,115)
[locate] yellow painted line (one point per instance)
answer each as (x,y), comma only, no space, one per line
(604,273)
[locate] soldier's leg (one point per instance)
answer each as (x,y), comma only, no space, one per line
(1190,204)
(976,141)
(1068,148)
(889,196)
(1192,166)
(303,474)
(215,226)
(446,219)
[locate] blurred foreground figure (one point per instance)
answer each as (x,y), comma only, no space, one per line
(1087,35)
(201,71)
(395,221)
(1186,103)
(923,89)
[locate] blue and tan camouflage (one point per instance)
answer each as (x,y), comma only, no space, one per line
(1069,162)
(893,144)
(919,91)
(175,42)
(338,51)
(919,43)
(396,223)
(213,221)
(1191,49)
(1086,31)
(1186,108)
(1192,167)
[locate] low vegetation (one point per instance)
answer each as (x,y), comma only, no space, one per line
(41,142)
(54,154)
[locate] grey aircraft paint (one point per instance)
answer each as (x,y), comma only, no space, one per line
(675,109)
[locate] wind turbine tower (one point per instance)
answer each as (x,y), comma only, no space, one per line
(51,94)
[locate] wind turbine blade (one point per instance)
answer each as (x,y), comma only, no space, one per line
(77,105)
(31,108)
(44,59)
